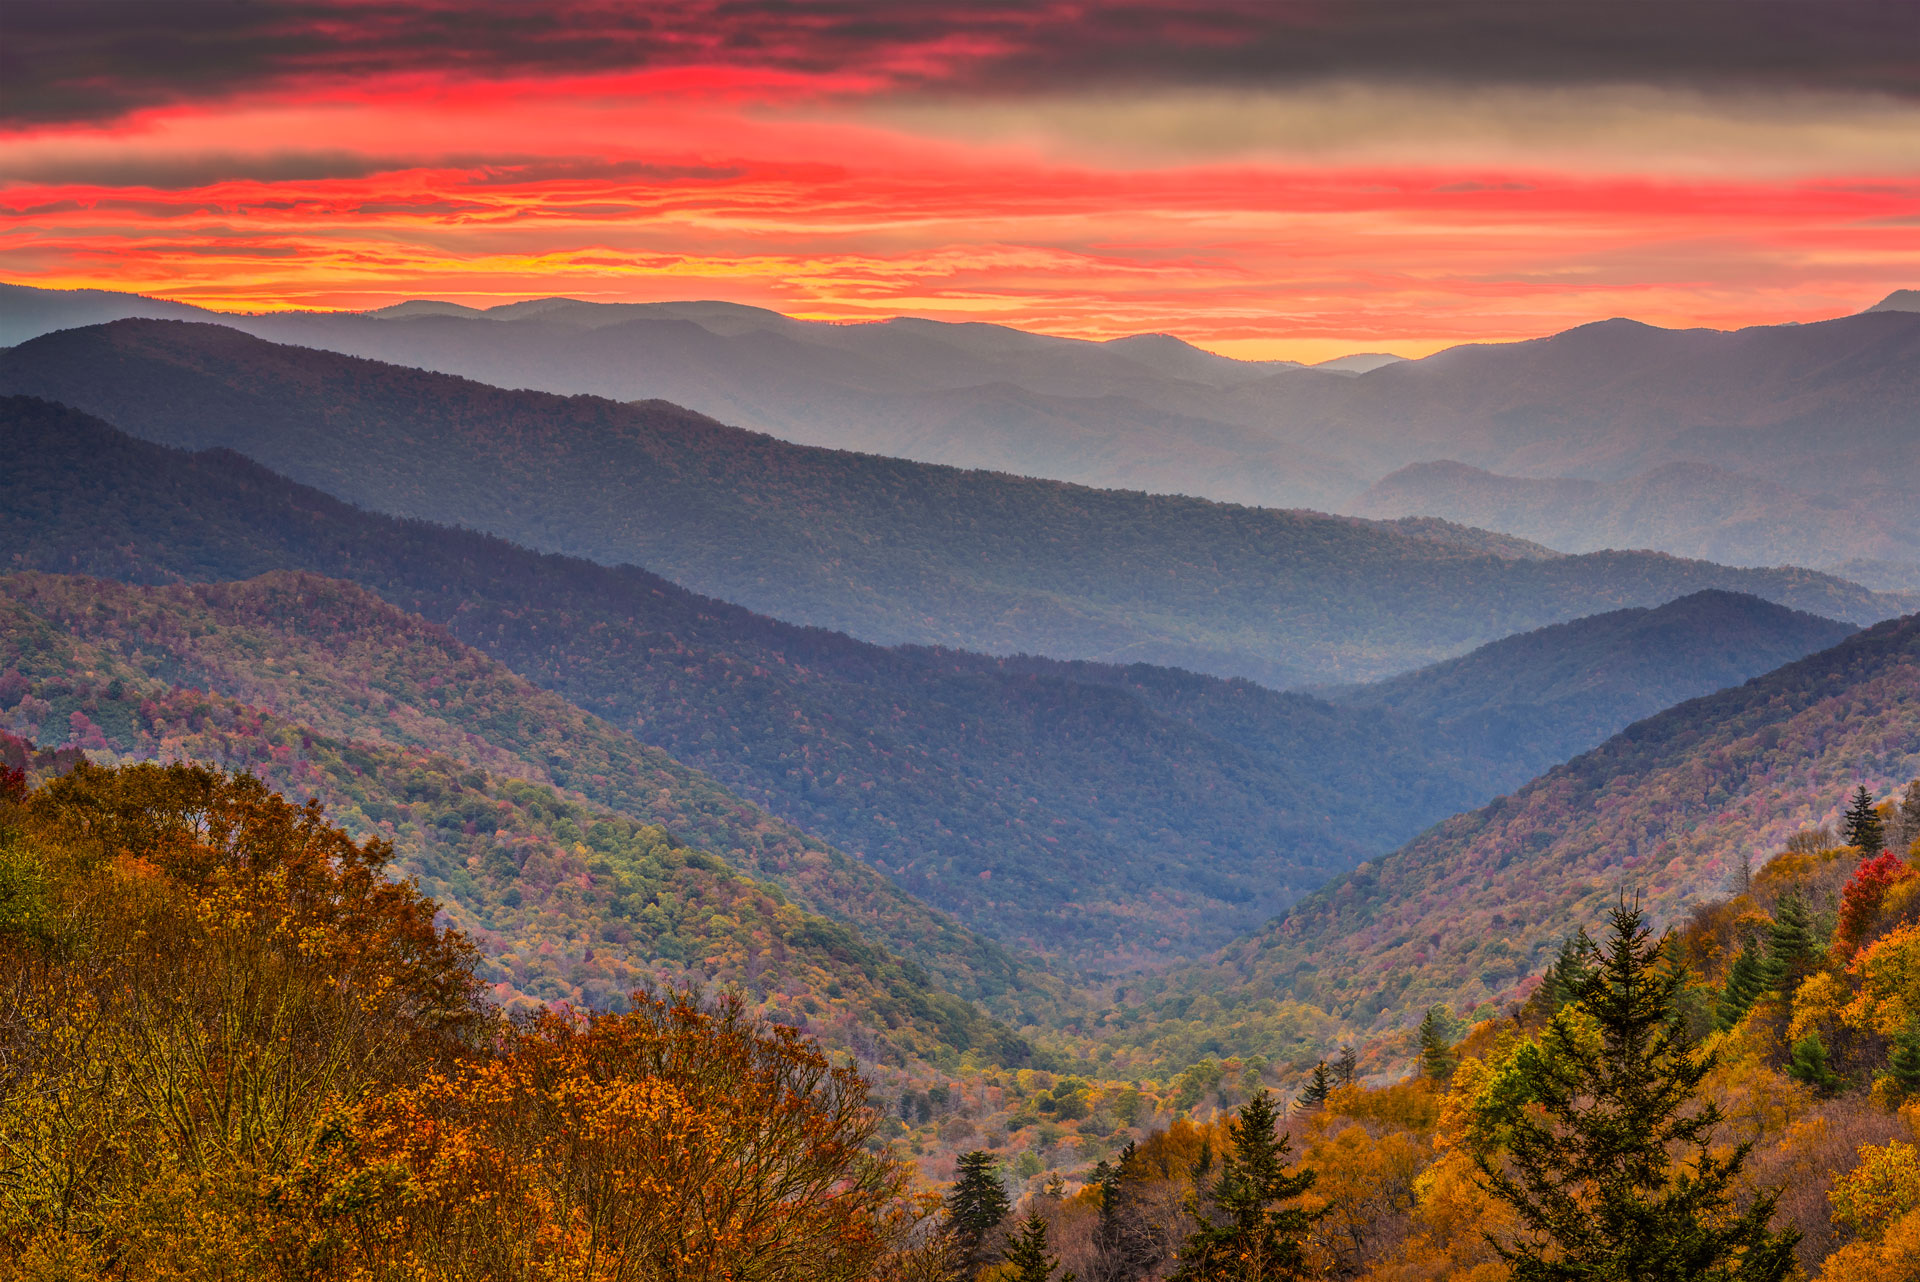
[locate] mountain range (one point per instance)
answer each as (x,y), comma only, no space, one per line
(887,550)
(1784,442)
(1665,813)
(1113,817)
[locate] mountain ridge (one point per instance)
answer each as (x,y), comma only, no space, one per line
(892,551)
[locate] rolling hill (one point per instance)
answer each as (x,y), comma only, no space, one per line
(338,661)
(1532,701)
(888,550)
(1665,810)
(1117,818)
(564,901)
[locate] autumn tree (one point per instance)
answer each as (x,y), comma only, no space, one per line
(1609,1161)
(1862,826)
(1249,1235)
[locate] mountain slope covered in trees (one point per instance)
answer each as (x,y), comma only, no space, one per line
(1042,804)
(335,659)
(566,901)
(1666,810)
(888,550)
(1532,701)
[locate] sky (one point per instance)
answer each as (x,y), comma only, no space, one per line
(1291,179)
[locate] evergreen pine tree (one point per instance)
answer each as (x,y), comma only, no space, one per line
(977,1203)
(1745,983)
(1909,830)
(1436,1044)
(1319,1086)
(1809,1065)
(1569,970)
(1790,945)
(1903,1059)
(1347,1067)
(1254,1238)
(1592,1171)
(1862,825)
(1026,1258)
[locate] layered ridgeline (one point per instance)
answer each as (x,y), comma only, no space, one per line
(1666,810)
(565,900)
(338,661)
(1115,817)
(888,550)
(1693,508)
(1531,701)
(1783,443)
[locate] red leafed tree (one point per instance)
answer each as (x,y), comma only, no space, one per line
(1860,901)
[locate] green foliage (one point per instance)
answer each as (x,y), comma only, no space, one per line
(1862,826)
(1245,1232)
(1319,1085)
(1808,1064)
(1026,1257)
(1746,980)
(1609,1159)
(1903,1058)
(1791,948)
(1347,1067)
(1438,1030)
(977,1203)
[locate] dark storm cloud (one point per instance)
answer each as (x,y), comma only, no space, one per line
(97,59)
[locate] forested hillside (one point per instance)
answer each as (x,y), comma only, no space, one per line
(1531,701)
(1058,807)
(887,550)
(1667,810)
(565,901)
(336,660)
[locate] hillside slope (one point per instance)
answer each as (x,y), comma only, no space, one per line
(1056,806)
(565,901)
(1691,508)
(339,661)
(887,550)
(1532,701)
(1665,810)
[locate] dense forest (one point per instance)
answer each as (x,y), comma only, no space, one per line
(1170,811)
(1097,814)
(1675,808)
(1531,701)
(888,550)
(236,1048)
(565,901)
(335,659)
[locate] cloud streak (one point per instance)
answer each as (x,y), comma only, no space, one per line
(1288,178)
(93,60)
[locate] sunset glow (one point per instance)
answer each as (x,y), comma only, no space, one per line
(1091,170)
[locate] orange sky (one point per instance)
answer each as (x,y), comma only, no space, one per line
(1075,168)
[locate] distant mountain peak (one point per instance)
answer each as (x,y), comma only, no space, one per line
(1900,300)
